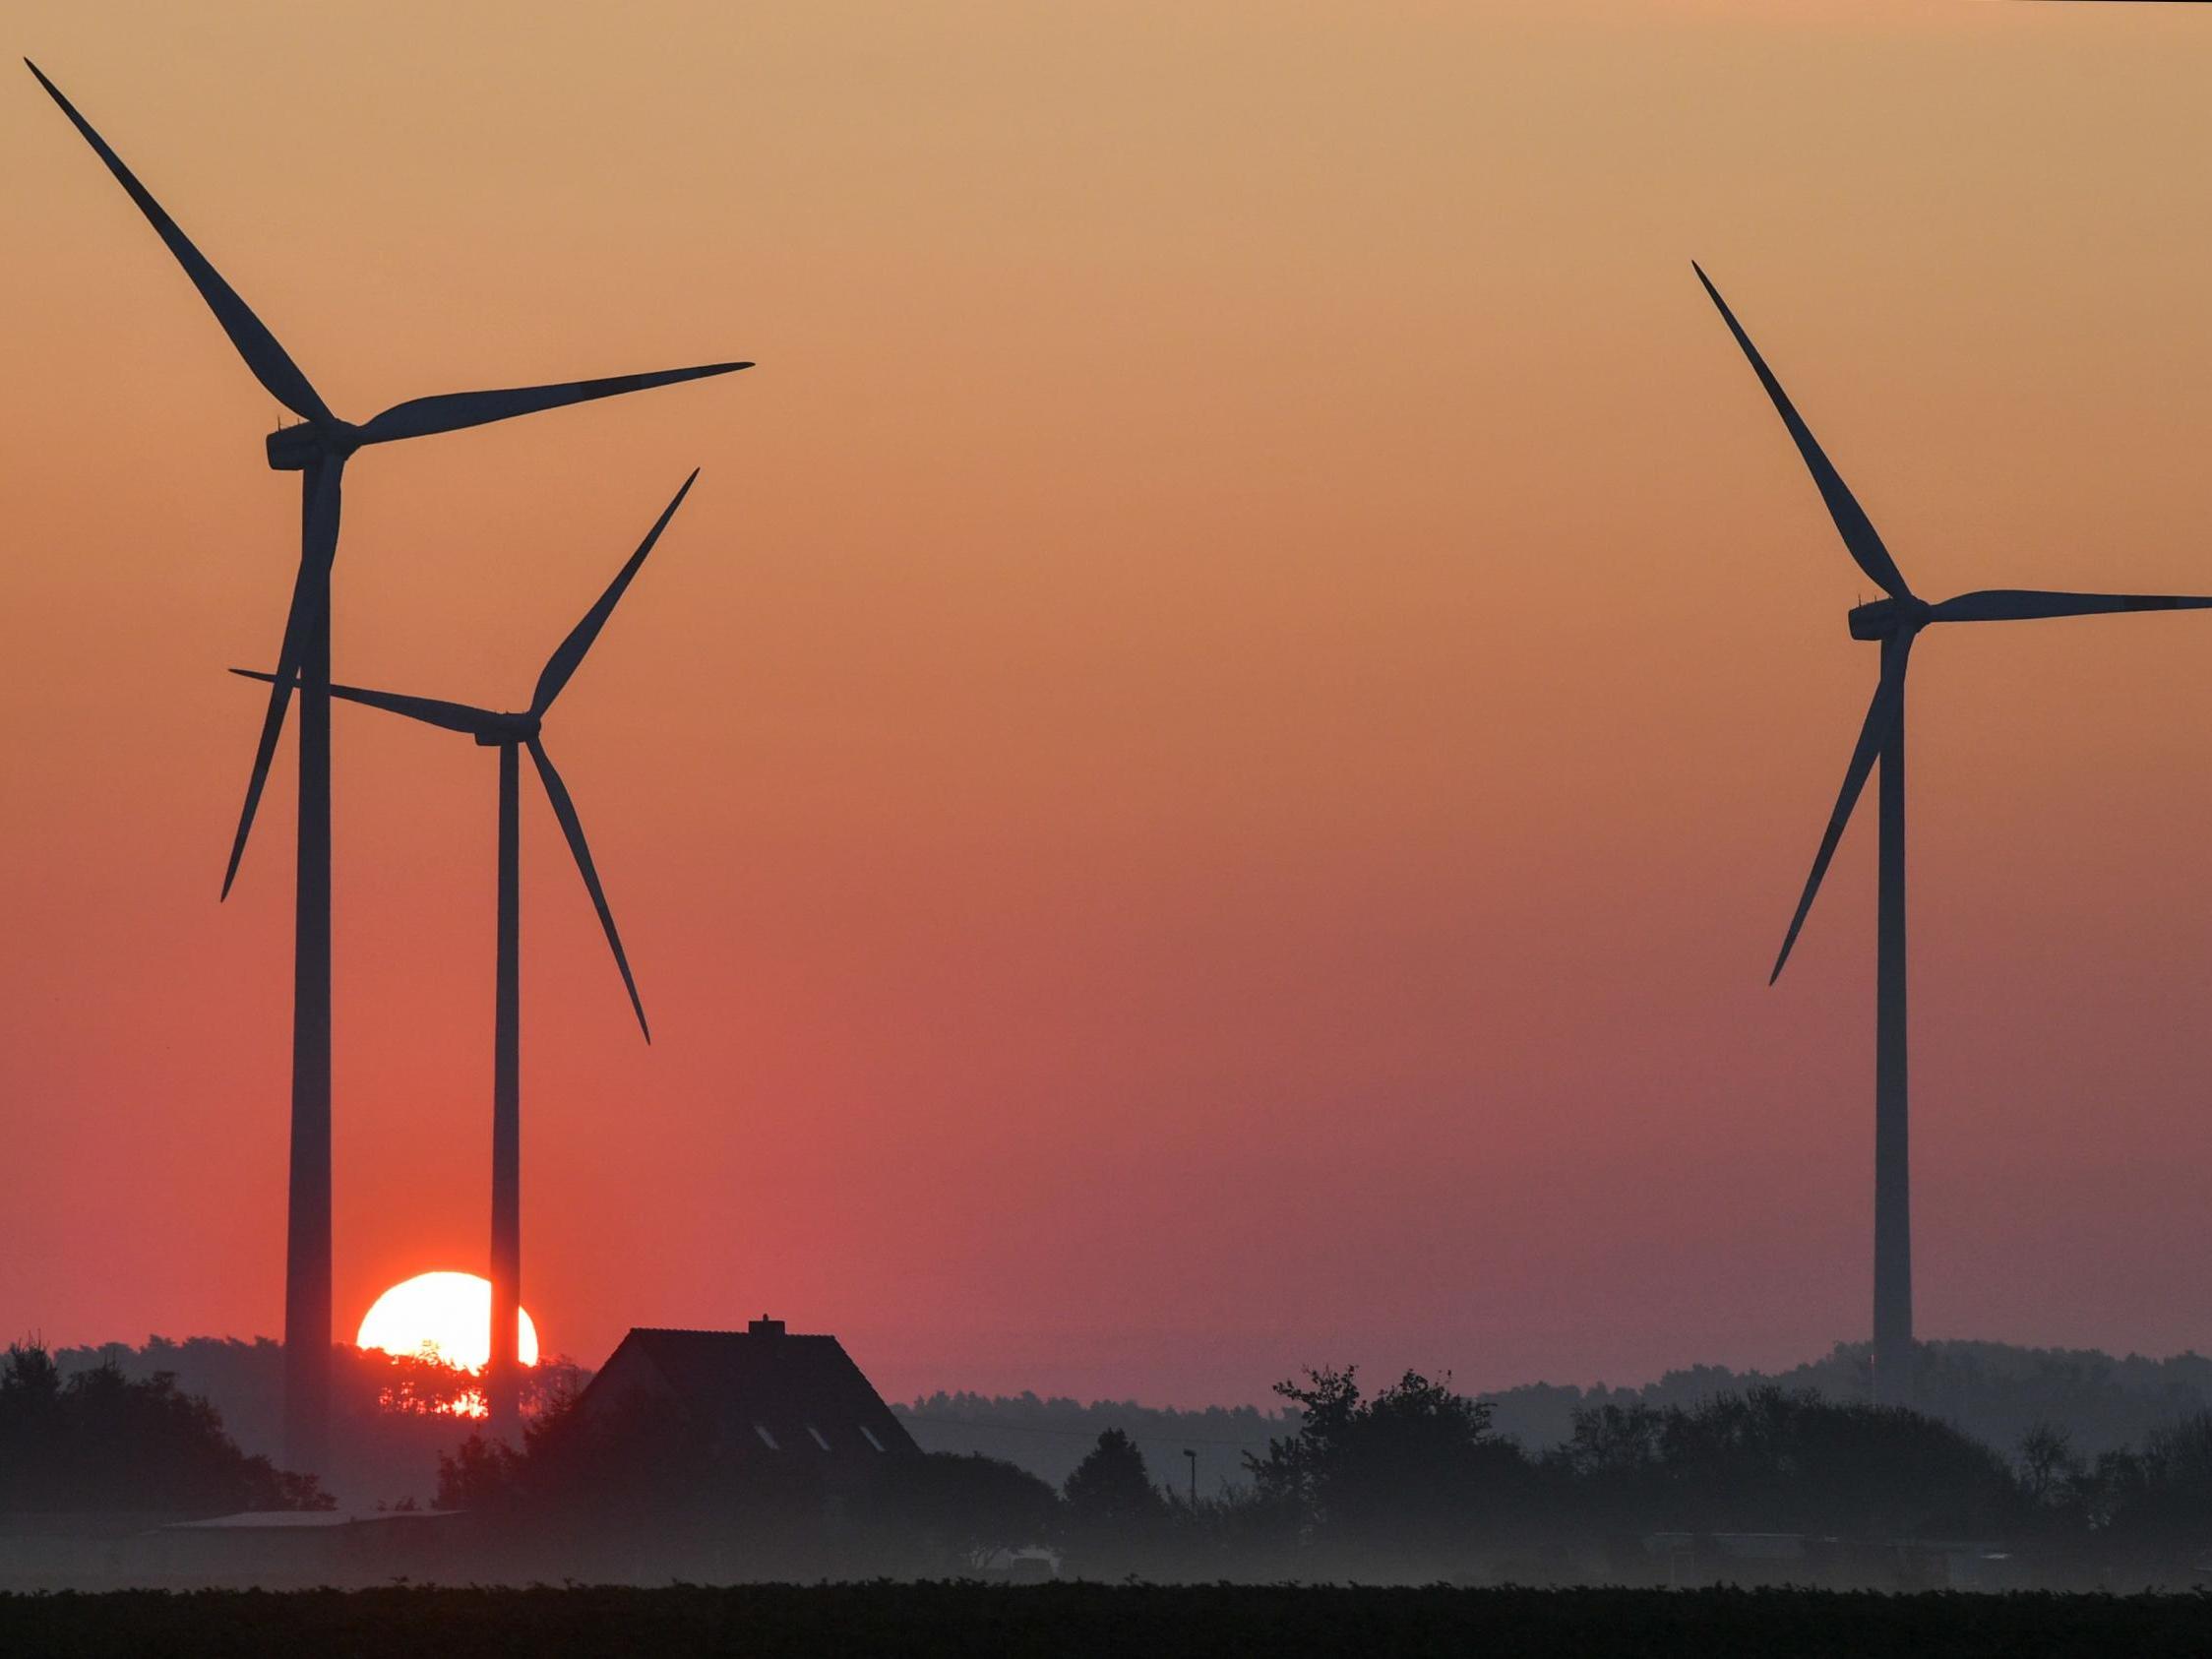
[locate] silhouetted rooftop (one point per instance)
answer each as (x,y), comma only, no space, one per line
(761,1389)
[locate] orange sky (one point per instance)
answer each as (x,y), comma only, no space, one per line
(1209,777)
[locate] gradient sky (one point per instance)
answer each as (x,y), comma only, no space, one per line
(1210,776)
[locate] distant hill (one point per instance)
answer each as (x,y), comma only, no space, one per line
(1991,1391)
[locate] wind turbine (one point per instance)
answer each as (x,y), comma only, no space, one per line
(317,450)
(510,734)
(1895,621)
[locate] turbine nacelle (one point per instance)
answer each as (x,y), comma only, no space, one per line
(295,449)
(499,730)
(1881,618)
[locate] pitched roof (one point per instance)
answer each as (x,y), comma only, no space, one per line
(756,1390)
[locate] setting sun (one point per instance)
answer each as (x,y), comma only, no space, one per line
(442,1316)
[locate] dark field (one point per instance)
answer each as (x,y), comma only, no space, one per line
(1085,1619)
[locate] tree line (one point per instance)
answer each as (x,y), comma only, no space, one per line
(391,1415)
(1413,1481)
(1408,1483)
(1994,1392)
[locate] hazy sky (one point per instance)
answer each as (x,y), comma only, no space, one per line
(1211,774)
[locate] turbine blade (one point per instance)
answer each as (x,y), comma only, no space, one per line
(270,363)
(451,412)
(1851,520)
(2024,604)
(1882,719)
(304,595)
(310,594)
(454,717)
(565,660)
(571,827)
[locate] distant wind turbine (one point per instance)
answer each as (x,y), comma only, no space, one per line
(317,450)
(1895,621)
(510,733)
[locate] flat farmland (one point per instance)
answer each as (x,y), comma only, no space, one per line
(968,1618)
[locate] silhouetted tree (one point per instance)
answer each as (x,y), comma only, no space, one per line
(1114,1515)
(1610,1480)
(99,1440)
(947,1512)
(1399,1485)
(1112,1488)
(1773,1460)
(477,1474)
(2049,1469)
(2148,1513)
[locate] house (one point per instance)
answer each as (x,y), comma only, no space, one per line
(757,1392)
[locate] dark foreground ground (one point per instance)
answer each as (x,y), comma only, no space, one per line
(1085,1619)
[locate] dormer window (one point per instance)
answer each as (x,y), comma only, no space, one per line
(818,1437)
(869,1435)
(767,1439)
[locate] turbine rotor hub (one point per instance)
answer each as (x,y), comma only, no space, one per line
(1885,617)
(508,729)
(294,449)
